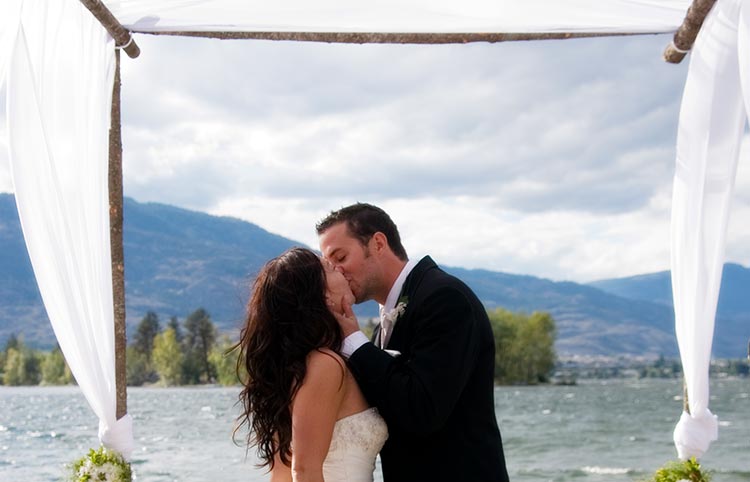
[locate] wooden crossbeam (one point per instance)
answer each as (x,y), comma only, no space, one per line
(388,38)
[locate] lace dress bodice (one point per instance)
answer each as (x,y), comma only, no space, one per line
(355,444)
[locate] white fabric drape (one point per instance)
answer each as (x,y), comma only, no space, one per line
(712,119)
(59,90)
(412,16)
(10,13)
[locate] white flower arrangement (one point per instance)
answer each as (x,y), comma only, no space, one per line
(393,315)
(101,465)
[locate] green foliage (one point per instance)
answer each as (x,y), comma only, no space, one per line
(141,370)
(55,370)
(199,341)
(148,328)
(101,465)
(22,365)
(524,346)
(224,360)
(683,470)
(13,342)
(174,323)
(167,357)
(137,367)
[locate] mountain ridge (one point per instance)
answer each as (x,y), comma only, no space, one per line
(178,260)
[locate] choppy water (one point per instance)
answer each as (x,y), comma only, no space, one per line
(609,431)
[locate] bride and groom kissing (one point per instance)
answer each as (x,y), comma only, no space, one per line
(321,400)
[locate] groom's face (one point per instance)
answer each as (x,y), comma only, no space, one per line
(352,259)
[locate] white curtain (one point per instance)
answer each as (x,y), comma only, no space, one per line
(712,120)
(10,13)
(442,16)
(59,90)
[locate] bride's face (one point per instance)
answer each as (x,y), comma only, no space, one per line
(337,288)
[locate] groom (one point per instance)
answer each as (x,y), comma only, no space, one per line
(435,384)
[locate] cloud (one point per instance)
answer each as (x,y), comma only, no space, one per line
(551,158)
(528,122)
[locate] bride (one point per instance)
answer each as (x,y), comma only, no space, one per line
(305,414)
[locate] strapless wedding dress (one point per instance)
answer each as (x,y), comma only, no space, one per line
(356,441)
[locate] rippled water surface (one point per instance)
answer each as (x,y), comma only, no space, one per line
(608,431)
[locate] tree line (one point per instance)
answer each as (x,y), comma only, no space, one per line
(192,352)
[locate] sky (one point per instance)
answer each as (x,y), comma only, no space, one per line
(548,158)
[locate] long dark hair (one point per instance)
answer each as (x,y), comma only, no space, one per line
(287,318)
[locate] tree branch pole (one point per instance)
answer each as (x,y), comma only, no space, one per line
(685,36)
(123,38)
(116,244)
(390,38)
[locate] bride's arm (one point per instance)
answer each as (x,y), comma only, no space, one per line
(314,412)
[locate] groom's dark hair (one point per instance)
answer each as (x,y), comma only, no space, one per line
(362,221)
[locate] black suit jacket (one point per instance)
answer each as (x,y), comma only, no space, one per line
(438,395)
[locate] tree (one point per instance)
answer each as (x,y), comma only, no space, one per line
(21,366)
(524,346)
(55,370)
(148,328)
(137,367)
(199,340)
(174,323)
(13,342)
(13,368)
(224,360)
(168,358)
(142,346)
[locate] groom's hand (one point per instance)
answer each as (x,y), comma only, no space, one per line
(347,320)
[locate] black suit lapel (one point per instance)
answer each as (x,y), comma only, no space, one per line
(411,284)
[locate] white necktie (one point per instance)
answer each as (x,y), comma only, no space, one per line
(385,329)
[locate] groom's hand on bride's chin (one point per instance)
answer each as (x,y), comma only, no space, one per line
(347,320)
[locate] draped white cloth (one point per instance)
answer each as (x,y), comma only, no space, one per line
(443,16)
(59,88)
(59,91)
(712,120)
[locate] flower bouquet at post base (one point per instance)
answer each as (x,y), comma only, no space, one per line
(102,465)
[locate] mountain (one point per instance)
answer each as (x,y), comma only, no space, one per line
(178,260)
(732,326)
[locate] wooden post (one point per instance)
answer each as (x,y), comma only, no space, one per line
(123,38)
(686,34)
(115,239)
(685,401)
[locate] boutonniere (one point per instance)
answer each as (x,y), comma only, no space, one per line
(396,312)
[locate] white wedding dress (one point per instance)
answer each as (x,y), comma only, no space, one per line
(355,444)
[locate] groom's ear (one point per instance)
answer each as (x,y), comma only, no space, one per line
(380,242)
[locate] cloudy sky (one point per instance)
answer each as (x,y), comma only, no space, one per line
(552,158)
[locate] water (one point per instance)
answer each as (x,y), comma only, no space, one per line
(608,431)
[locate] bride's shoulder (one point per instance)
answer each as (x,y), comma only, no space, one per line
(325,359)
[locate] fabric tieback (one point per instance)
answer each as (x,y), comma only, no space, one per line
(118,436)
(694,434)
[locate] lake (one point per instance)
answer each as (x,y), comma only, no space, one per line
(596,431)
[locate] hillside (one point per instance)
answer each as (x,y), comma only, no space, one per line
(178,260)
(731,330)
